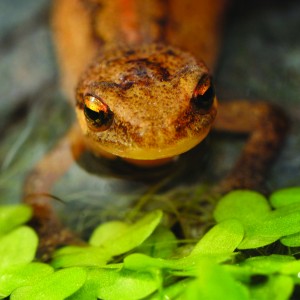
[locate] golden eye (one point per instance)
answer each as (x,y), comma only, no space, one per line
(204,94)
(98,115)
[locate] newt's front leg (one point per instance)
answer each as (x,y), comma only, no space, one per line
(37,192)
(267,126)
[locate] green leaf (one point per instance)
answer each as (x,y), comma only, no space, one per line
(127,285)
(115,284)
(56,286)
(89,290)
(285,197)
(276,288)
(262,225)
(246,206)
(284,220)
(292,240)
(214,283)
(18,247)
(12,216)
(185,265)
(138,261)
(103,234)
(119,242)
(254,240)
(291,268)
(171,292)
(222,238)
(267,265)
(161,243)
(15,277)
(272,264)
(108,239)
(281,222)
(242,274)
(219,243)
(75,256)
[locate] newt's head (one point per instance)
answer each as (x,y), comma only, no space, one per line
(148,103)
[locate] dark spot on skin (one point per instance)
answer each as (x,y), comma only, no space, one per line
(162,22)
(129,52)
(93,9)
(140,71)
(79,104)
(189,119)
(159,69)
(104,84)
(183,121)
(112,61)
(79,99)
(165,74)
(127,85)
(170,52)
(139,60)
(144,63)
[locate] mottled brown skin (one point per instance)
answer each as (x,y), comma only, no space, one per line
(132,55)
(266,126)
(149,90)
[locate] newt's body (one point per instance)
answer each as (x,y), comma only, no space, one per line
(143,89)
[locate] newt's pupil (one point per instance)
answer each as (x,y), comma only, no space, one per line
(204,94)
(206,100)
(98,115)
(91,114)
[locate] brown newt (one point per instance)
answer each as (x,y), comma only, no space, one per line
(138,74)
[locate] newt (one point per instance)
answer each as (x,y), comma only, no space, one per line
(139,77)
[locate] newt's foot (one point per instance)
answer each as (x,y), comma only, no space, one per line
(52,235)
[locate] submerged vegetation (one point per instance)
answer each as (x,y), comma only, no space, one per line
(250,253)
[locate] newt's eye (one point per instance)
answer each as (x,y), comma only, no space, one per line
(204,94)
(98,115)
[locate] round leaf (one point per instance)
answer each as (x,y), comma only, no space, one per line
(267,265)
(214,283)
(15,277)
(246,206)
(285,197)
(292,240)
(12,216)
(161,243)
(125,284)
(56,286)
(104,233)
(18,247)
(80,256)
(222,238)
(130,237)
(276,288)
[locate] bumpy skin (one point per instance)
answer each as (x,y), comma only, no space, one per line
(131,55)
(267,126)
(149,90)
